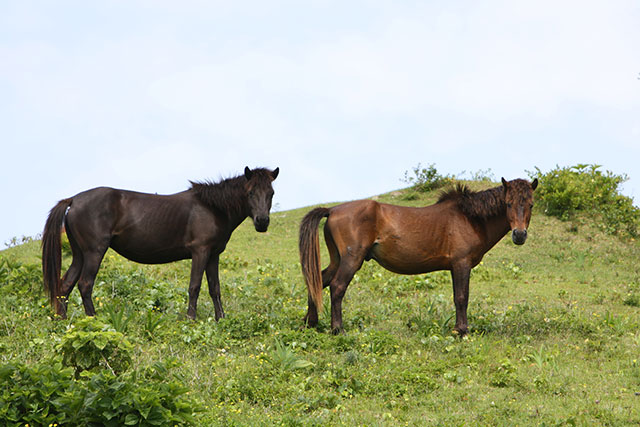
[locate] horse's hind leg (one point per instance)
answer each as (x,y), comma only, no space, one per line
(349,265)
(70,278)
(88,274)
(334,259)
(311,318)
(68,282)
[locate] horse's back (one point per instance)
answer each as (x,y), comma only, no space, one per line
(121,203)
(110,205)
(385,216)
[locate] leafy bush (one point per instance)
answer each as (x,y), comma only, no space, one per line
(25,279)
(565,192)
(91,344)
(131,399)
(426,179)
(103,392)
(21,287)
(47,394)
(31,394)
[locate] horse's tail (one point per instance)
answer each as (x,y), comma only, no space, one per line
(52,250)
(309,245)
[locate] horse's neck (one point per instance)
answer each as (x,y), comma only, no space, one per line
(496,228)
(238,215)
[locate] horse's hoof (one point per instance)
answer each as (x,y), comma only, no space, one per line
(461,333)
(309,323)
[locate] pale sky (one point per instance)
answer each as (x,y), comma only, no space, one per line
(343,96)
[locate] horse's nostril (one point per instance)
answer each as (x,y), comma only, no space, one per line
(261,223)
(519,236)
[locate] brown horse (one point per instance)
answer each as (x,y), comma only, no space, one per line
(453,234)
(152,229)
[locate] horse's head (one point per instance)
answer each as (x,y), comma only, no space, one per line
(518,196)
(259,194)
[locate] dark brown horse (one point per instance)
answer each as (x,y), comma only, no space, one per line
(152,229)
(453,234)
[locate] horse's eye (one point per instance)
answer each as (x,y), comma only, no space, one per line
(509,205)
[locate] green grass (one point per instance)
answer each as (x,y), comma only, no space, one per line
(555,332)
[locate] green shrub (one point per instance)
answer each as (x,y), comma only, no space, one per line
(31,394)
(426,179)
(24,279)
(90,344)
(46,394)
(566,192)
(141,399)
(104,390)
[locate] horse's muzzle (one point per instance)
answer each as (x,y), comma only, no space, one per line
(261,223)
(519,236)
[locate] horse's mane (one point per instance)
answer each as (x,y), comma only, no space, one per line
(476,204)
(227,195)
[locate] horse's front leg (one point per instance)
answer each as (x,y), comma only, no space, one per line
(460,276)
(198,264)
(214,285)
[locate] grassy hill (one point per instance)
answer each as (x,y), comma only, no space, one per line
(555,333)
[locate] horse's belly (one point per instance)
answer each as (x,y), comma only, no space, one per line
(408,262)
(146,255)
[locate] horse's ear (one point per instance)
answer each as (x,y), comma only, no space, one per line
(504,183)
(275,173)
(247,173)
(534,184)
